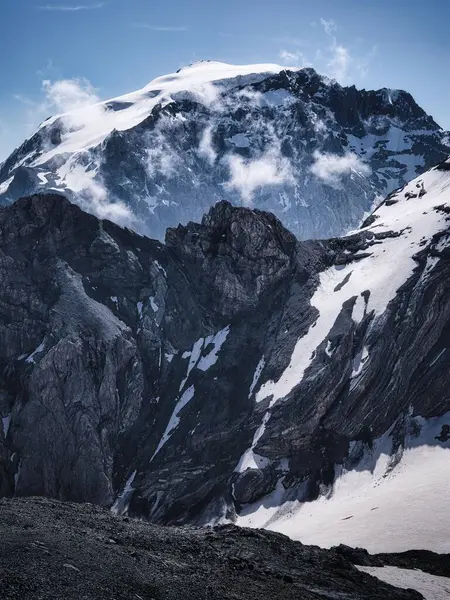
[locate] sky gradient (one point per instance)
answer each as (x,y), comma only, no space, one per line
(116,46)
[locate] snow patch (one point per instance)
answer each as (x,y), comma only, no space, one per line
(153,304)
(39,350)
(120,506)
(277,97)
(217,341)
(240,140)
(174,421)
(5,185)
(6,421)
(432,587)
(358,362)
(205,362)
(257,375)
(251,460)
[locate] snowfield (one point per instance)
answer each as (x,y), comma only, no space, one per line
(201,81)
(384,504)
(431,587)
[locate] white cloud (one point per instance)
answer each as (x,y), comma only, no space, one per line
(294,58)
(205,147)
(363,62)
(318,124)
(162,28)
(329,26)
(339,62)
(74,8)
(161,158)
(329,168)
(249,175)
(74,96)
(75,99)
(69,94)
(334,59)
(95,200)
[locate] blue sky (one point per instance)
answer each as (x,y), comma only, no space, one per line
(111,47)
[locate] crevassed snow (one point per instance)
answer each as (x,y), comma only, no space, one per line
(201,81)
(389,265)
(380,505)
(432,587)
(174,421)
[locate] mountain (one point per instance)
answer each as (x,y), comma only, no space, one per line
(233,373)
(292,142)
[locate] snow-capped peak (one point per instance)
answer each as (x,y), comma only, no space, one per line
(203,81)
(257,134)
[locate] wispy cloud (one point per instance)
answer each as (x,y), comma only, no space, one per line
(337,60)
(294,58)
(329,26)
(168,28)
(61,96)
(73,8)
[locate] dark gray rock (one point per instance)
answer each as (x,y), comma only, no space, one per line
(53,550)
(129,368)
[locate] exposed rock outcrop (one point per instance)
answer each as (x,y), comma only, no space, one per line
(182,382)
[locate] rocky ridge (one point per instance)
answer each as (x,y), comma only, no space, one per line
(232,365)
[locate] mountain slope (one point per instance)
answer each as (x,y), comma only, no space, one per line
(314,153)
(123,381)
(61,550)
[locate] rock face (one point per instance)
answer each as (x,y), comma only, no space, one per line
(182,382)
(315,154)
(54,550)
